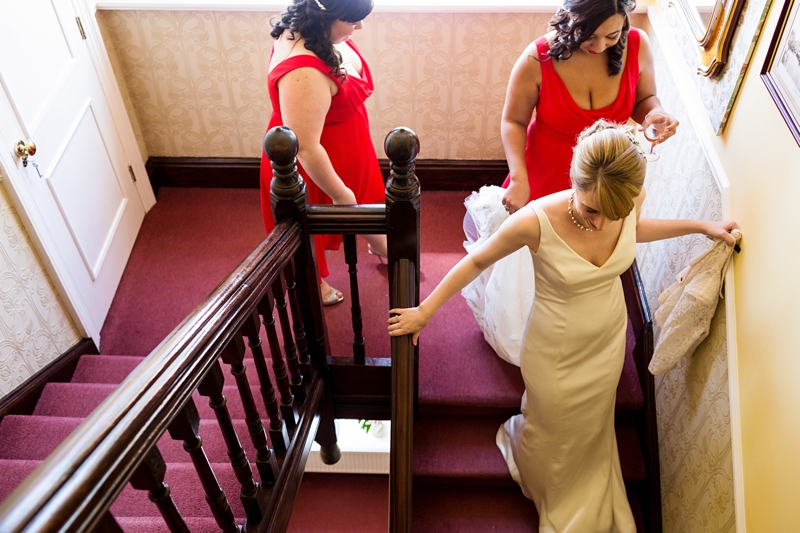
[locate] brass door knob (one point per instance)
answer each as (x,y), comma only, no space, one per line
(25,150)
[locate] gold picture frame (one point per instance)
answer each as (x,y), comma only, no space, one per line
(712,39)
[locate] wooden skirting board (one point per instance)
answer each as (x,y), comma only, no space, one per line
(243,172)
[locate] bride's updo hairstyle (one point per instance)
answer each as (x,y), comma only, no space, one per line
(609,162)
(312,20)
(577,20)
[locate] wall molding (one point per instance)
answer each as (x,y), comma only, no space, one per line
(243,172)
(23,399)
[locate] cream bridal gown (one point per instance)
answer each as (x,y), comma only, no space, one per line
(562,449)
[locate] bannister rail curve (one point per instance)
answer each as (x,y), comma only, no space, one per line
(275,290)
(73,488)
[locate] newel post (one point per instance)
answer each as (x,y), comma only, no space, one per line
(402,200)
(402,230)
(288,201)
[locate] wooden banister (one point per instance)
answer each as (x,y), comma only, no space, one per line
(75,485)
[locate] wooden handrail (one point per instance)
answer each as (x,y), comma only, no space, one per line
(75,485)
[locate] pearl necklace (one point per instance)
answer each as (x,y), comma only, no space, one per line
(569,210)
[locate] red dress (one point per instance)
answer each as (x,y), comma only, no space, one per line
(345,137)
(554,131)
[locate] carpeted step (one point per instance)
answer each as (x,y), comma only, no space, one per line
(462,449)
(156,524)
(105,368)
(468,509)
(35,437)
(14,472)
(341,503)
(80,399)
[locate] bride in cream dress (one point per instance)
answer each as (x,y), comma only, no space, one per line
(562,449)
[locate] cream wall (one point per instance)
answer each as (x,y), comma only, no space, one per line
(34,325)
(761,161)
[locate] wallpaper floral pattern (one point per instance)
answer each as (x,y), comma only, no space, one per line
(196,80)
(692,401)
(34,326)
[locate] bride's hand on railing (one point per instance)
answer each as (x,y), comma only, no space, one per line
(406,321)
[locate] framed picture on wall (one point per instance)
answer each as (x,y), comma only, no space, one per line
(781,72)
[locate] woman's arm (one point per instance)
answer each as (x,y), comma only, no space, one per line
(655,229)
(520,229)
(522,96)
(305,97)
(646,95)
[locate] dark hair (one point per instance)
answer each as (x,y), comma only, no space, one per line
(577,20)
(312,19)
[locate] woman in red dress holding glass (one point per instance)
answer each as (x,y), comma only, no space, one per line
(318,83)
(593,65)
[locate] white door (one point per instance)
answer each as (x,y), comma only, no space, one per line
(81,205)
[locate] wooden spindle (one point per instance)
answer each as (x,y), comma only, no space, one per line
(278,368)
(233,355)
(351,258)
(297,323)
(149,476)
(185,427)
(277,429)
(295,380)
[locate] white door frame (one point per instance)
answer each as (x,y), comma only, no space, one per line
(25,205)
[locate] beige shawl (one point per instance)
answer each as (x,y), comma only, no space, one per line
(688,306)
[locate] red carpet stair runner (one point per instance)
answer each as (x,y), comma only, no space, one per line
(461,483)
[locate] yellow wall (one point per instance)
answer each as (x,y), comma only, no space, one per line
(762,163)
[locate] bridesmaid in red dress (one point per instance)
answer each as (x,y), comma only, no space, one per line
(592,65)
(317,83)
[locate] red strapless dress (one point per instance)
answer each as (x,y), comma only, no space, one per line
(345,137)
(554,131)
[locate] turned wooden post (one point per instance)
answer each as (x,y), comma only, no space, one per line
(402,216)
(297,323)
(149,476)
(289,349)
(351,258)
(277,429)
(278,368)
(185,427)
(288,200)
(233,355)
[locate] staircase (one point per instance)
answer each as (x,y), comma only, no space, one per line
(461,483)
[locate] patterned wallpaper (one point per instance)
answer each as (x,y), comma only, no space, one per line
(34,326)
(692,401)
(195,81)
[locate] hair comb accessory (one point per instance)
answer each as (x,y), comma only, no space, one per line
(320,5)
(635,142)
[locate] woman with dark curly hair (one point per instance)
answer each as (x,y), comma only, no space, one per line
(318,83)
(593,65)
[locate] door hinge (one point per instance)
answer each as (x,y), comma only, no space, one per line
(133,176)
(80,27)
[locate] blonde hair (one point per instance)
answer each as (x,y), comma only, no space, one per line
(609,162)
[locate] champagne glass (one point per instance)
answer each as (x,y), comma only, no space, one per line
(654,124)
